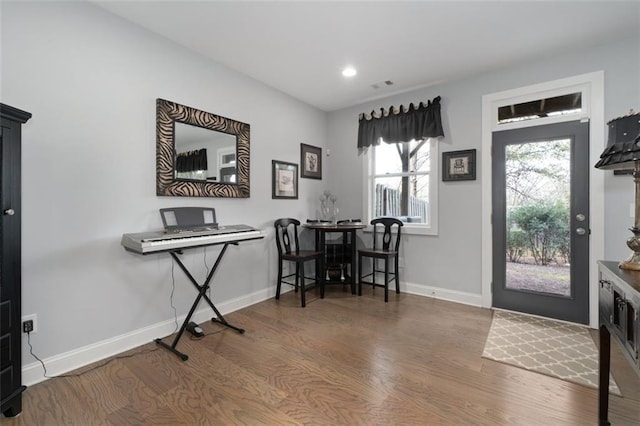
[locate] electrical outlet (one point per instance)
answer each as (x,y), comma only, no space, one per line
(33,321)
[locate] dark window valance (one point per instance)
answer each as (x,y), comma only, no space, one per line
(191,161)
(401,124)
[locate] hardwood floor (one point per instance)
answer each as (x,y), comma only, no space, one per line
(344,360)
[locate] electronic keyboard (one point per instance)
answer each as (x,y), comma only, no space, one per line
(153,242)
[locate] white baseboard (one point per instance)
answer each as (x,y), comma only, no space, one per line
(443,294)
(68,361)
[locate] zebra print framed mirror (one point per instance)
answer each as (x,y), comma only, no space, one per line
(200,154)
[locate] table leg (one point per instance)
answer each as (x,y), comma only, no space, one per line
(353,261)
(320,246)
(603,376)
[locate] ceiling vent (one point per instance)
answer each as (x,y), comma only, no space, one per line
(382,84)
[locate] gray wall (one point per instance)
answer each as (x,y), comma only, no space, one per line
(451,260)
(91,79)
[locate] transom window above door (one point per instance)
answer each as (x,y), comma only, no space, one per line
(541,108)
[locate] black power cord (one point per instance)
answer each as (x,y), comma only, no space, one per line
(194,336)
(173,289)
(86,371)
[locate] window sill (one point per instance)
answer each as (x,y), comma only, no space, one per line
(413,229)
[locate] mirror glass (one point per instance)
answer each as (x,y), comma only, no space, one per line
(200,154)
(204,154)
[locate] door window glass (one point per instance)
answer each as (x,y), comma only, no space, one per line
(537,184)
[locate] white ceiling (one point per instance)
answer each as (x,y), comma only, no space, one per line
(300,47)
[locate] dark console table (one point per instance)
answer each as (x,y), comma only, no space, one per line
(619,307)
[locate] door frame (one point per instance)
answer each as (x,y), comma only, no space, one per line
(592,87)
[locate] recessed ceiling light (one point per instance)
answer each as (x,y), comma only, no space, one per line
(349,72)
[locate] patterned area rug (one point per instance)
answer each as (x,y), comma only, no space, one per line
(553,348)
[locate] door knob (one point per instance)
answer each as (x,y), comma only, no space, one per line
(580,217)
(9,212)
(581,231)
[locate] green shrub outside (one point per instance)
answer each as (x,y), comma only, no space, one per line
(541,230)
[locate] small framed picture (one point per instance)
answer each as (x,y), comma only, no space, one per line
(284,180)
(459,165)
(311,160)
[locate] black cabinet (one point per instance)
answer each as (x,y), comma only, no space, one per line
(11,387)
(619,301)
(619,308)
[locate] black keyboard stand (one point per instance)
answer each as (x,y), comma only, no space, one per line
(202,290)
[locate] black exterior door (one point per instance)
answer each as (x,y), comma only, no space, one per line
(541,220)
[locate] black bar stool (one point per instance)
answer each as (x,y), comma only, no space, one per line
(386,246)
(289,250)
